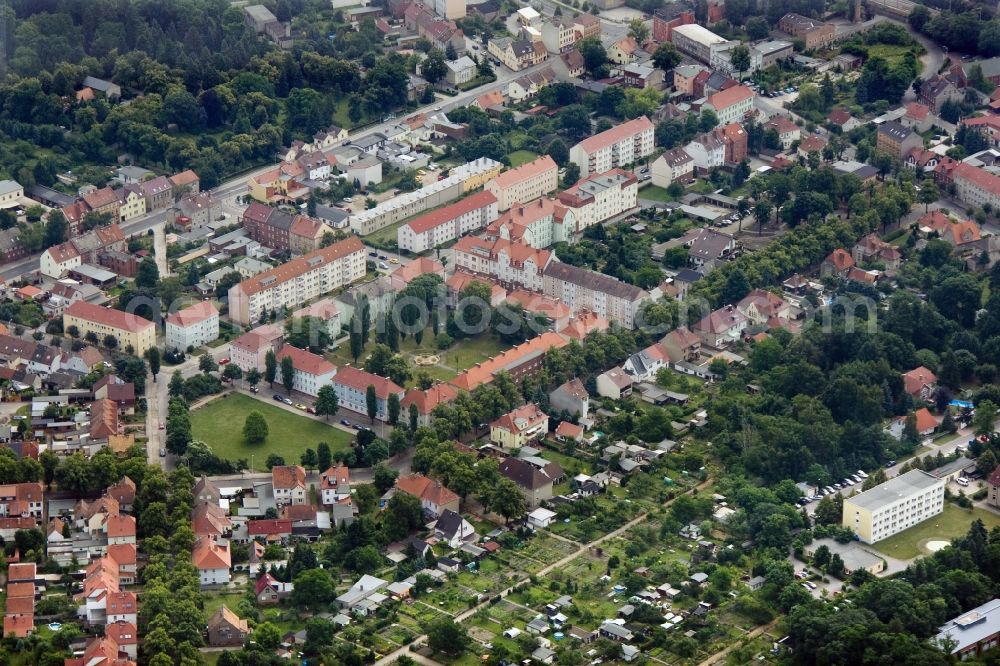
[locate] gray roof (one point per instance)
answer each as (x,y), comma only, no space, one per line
(9,186)
(97,84)
(854,556)
(971,627)
(895,130)
(895,489)
(260,13)
(94,272)
(594,281)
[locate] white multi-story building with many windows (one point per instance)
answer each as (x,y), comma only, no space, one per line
(585,290)
(894,506)
(514,265)
(600,197)
(525,183)
(617,147)
(448,223)
(311,370)
(193,326)
(298,281)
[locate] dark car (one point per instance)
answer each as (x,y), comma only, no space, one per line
(373,254)
(278,398)
(357,427)
(345,422)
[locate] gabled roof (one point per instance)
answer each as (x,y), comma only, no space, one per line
(841,259)
(915,380)
(529,476)
(426,489)
(305,361)
(193,314)
(360,380)
(427,400)
(615,134)
(108,317)
(288,477)
(209,555)
(729,97)
(520,419)
(224,616)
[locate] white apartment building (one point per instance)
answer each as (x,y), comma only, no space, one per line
(894,506)
(731,105)
(559,34)
(193,326)
(600,197)
(525,183)
(460,180)
(617,147)
(448,223)
(298,281)
(533,224)
(672,166)
(696,41)
(707,151)
(311,370)
(513,264)
(582,289)
(975,186)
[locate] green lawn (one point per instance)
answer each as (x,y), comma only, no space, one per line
(220,424)
(654,193)
(519,157)
(953,522)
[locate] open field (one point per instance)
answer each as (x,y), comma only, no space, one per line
(952,522)
(220,424)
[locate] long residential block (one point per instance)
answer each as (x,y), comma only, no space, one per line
(585,290)
(298,281)
(460,180)
(613,148)
(129,329)
(600,197)
(448,223)
(893,506)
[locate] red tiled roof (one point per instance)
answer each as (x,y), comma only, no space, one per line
(360,380)
(482,373)
(520,419)
(302,265)
(841,259)
(427,400)
(20,606)
(20,573)
(616,134)
(114,318)
(727,98)
(305,361)
(526,171)
(18,626)
(915,380)
(334,476)
(209,555)
(124,554)
(275,527)
(925,420)
(193,314)
(15,590)
(436,218)
(121,525)
(288,476)
(425,489)
(567,429)
(122,603)
(982,179)
(916,111)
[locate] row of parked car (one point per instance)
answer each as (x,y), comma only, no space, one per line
(851,480)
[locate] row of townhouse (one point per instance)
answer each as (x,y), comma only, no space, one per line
(283,231)
(446,224)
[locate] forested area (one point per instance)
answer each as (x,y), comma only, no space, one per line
(205,91)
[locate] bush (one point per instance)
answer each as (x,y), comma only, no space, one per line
(444,341)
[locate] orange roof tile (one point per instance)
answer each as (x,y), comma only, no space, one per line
(305,361)
(526,171)
(426,489)
(616,134)
(301,265)
(427,400)
(482,373)
(447,214)
(193,314)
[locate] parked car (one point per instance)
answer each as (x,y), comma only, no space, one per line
(278,398)
(862,474)
(394,260)
(345,422)
(224,361)
(299,406)
(311,409)
(373,254)
(163,453)
(384,266)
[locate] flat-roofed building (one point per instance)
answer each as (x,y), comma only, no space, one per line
(972,632)
(695,40)
(893,506)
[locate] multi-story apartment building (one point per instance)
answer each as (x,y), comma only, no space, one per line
(600,197)
(351,385)
(732,104)
(212,560)
(281,230)
(582,289)
(525,183)
(617,147)
(130,330)
(519,362)
(250,349)
(587,25)
(312,371)
(448,223)
(893,506)
(695,40)
(517,54)
(815,33)
(973,632)
(518,428)
(975,186)
(85,249)
(460,180)
(673,166)
(194,326)
(513,264)
(559,34)
(533,224)
(131,203)
(298,281)
(667,18)
(896,139)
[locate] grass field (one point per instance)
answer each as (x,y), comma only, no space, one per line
(460,356)
(519,157)
(220,424)
(654,193)
(953,522)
